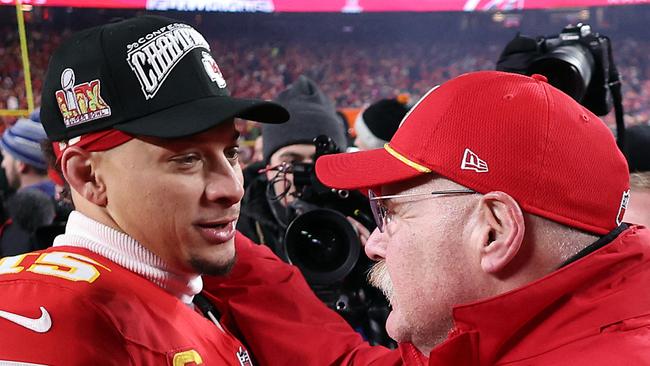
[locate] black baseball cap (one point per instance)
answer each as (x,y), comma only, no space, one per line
(149,75)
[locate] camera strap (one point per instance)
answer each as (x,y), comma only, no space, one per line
(617,98)
(208,309)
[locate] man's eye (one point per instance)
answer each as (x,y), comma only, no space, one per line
(232,153)
(291,161)
(187,160)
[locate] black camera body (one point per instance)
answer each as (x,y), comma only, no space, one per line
(325,246)
(577,61)
(319,239)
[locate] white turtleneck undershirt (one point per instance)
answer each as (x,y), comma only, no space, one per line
(84,232)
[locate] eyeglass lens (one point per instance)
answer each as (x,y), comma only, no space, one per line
(378,211)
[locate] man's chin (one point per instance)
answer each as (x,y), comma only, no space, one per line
(397,328)
(393,328)
(220,267)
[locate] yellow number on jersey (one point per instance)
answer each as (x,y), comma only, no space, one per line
(80,268)
(76,267)
(186,357)
(12,264)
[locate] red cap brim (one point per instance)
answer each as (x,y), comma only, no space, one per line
(363,169)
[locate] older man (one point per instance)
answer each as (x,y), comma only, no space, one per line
(146,141)
(499,204)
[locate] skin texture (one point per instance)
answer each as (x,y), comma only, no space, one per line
(638,209)
(177,197)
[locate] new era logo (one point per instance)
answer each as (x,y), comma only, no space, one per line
(243,357)
(471,161)
(623,207)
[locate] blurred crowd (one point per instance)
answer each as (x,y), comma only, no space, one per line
(354,74)
(351,73)
(12,78)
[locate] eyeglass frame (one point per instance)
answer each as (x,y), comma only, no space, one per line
(380,212)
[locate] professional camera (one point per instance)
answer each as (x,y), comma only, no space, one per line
(577,61)
(325,246)
(320,240)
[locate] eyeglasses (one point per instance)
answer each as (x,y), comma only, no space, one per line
(380,211)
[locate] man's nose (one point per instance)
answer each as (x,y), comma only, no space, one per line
(376,246)
(225,186)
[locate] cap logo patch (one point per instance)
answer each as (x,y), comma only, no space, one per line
(82,102)
(212,69)
(471,161)
(154,55)
(623,207)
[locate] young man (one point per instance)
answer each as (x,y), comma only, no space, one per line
(145,138)
(499,204)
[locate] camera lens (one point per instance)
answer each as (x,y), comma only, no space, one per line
(321,248)
(567,68)
(323,244)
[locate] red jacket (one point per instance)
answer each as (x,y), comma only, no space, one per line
(282,322)
(594,311)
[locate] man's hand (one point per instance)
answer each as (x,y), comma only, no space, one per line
(361,230)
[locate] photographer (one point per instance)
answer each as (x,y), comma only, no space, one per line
(318,230)
(266,210)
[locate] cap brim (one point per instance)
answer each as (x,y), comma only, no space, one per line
(202,114)
(363,169)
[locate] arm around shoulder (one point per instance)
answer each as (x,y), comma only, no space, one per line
(268,303)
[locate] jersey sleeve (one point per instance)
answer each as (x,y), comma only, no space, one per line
(275,312)
(46,324)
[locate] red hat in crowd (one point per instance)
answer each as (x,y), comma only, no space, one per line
(496,131)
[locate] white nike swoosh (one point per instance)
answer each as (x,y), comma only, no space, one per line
(18,363)
(39,325)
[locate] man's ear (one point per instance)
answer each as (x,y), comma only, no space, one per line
(79,170)
(21,167)
(500,230)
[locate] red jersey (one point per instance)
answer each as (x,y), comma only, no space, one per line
(70,306)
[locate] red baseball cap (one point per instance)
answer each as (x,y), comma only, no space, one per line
(496,131)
